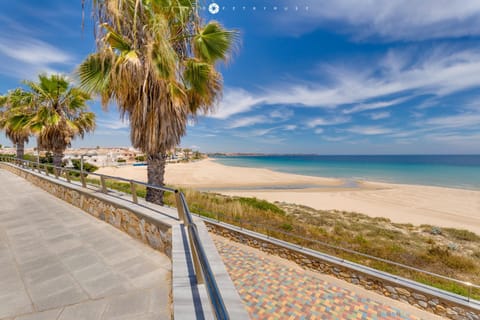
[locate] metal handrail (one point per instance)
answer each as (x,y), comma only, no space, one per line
(203,270)
(201,258)
(212,288)
(467,284)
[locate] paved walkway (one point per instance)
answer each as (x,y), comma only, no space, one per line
(275,288)
(58,263)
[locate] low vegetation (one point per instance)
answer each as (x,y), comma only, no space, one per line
(446,251)
(452,252)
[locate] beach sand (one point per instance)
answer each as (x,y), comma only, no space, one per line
(415,204)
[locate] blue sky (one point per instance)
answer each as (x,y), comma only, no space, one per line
(310,76)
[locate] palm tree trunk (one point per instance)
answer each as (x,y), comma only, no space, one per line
(20,149)
(156,174)
(57,158)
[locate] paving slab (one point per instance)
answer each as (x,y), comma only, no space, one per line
(275,288)
(58,262)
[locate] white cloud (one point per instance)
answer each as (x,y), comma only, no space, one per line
(290,127)
(327,122)
(369,130)
(235,101)
(282,114)
(403,74)
(27,57)
(247,121)
(319,131)
(333,139)
(33,51)
(113,124)
(375,105)
(455,138)
(387,20)
(112,133)
(455,121)
(265,131)
(379,115)
(261,132)
(191,122)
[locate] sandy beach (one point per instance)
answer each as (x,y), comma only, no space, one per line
(416,204)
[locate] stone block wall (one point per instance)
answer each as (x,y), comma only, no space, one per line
(413,296)
(152,232)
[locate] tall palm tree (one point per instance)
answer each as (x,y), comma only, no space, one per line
(59,114)
(156,60)
(15,102)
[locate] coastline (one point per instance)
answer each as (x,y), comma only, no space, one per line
(401,203)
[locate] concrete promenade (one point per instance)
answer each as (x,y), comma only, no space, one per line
(275,288)
(58,263)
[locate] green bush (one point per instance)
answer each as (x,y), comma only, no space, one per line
(87,167)
(30,157)
(121,160)
(261,205)
(140,158)
(462,234)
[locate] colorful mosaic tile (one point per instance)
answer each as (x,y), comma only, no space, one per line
(271,289)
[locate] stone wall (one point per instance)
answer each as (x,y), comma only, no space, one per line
(152,232)
(384,287)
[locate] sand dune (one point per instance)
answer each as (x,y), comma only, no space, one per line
(445,207)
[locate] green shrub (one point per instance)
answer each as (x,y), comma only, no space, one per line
(261,205)
(462,234)
(286,227)
(459,263)
(438,252)
(121,160)
(87,167)
(30,157)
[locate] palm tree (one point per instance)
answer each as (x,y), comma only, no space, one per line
(15,103)
(59,114)
(156,60)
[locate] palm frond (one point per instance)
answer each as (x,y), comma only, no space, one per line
(213,43)
(94,74)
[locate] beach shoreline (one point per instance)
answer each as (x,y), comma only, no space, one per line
(401,203)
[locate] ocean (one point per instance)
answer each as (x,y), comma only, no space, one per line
(455,171)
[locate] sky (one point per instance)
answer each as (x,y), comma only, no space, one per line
(308,76)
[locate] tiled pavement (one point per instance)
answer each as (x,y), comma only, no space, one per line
(58,263)
(274,288)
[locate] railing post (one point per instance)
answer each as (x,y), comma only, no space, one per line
(55,172)
(46,169)
(133,188)
(469,285)
(180,209)
(104,187)
(82,178)
(67,175)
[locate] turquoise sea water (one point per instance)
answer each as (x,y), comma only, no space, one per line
(458,171)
